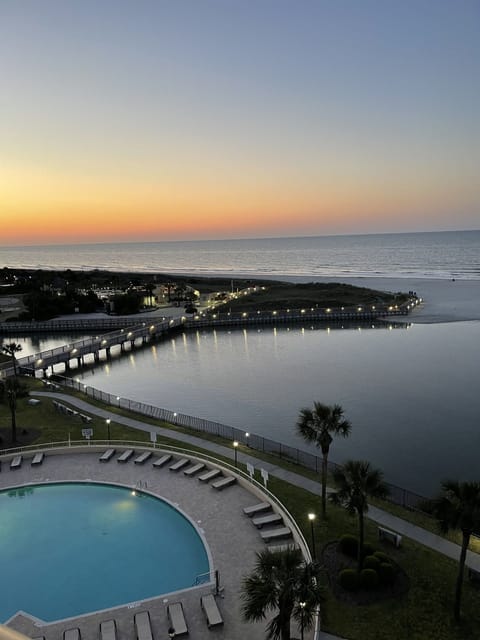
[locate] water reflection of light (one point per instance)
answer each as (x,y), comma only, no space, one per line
(154,352)
(245,343)
(131,358)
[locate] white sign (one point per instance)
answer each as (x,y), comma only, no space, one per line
(87,433)
(153,436)
(250,469)
(264,473)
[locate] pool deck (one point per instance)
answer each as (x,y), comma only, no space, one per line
(231,538)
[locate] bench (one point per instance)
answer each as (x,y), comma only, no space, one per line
(143,628)
(16,462)
(105,457)
(209,475)
(272,518)
(389,536)
(211,611)
(223,483)
(257,508)
(37,459)
(126,455)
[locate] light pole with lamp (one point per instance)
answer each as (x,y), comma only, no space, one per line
(108,428)
(235,447)
(247,435)
(302,609)
(311,517)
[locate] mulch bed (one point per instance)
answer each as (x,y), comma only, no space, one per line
(335,561)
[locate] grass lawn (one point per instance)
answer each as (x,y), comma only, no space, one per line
(424,613)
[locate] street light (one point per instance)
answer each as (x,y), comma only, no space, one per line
(247,435)
(311,517)
(302,608)
(108,428)
(235,447)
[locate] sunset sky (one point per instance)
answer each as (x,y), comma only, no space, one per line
(192,119)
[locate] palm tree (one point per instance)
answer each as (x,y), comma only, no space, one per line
(282,581)
(356,481)
(9,389)
(10,350)
(319,425)
(458,507)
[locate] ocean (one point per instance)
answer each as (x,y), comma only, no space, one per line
(432,255)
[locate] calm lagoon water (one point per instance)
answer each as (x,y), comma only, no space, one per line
(56,538)
(410,393)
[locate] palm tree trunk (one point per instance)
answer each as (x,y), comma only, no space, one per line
(13,409)
(360,541)
(324,485)
(461,568)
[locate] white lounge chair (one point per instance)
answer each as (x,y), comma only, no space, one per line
(16,462)
(191,471)
(72,634)
(159,462)
(105,457)
(177,619)
(176,466)
(210,475)
(223,483)
(126,455)
(143,457)
(210,608)
(272,518)
(257,508)
(108,630)
(37,459)
(275,534)
(143,626)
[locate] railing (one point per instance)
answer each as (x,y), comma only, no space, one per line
(397,495)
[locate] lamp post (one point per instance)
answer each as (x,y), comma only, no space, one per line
(302,609)
(247,435)
(235,447)
(108,428)
(311,517)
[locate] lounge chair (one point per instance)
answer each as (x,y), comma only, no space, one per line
(105,457)
(176,466)
(142,457)
(72,634)
(212,613)
(223,483)
(143,627)
(210,475)
(161,461)
(271,518)
(177,619)
(191,471)
(108,630)
(126,455)
(257,508)
(37,459)
(16,462)
(275,534)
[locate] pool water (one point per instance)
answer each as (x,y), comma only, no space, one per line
(68,549)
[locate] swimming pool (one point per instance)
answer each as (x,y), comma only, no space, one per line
(71,548)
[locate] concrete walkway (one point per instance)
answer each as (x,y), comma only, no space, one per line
(383,518)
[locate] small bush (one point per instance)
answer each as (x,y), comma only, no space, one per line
(368,550)
(349,579)
(386,573)
(348,545)
(371,562)
(369,578)
(383,557)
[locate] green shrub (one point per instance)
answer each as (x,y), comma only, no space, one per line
(369,578)
(348,545)
(386,573)
(349,579)
(383,557)
(368,550)
(371,562)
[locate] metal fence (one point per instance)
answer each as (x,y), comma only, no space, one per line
(397,495)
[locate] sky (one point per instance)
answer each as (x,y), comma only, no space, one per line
(195,119)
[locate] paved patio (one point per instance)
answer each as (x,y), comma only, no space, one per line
(231,538)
